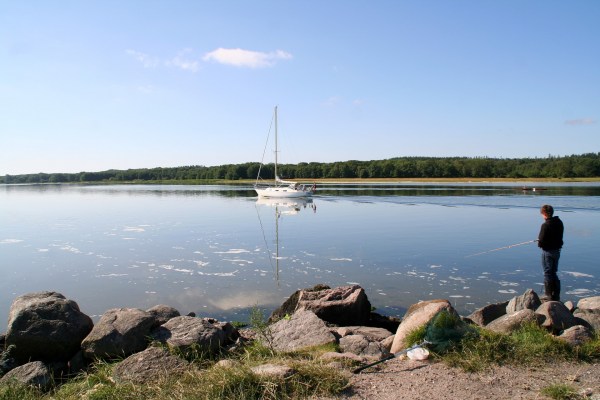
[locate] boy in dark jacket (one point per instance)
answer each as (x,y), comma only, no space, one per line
(550,240)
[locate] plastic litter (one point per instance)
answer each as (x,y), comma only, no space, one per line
(419,353)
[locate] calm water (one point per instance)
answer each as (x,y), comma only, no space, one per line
(217,251)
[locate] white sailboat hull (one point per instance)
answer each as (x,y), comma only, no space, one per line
(282,192)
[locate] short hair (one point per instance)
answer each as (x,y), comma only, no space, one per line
(547,210)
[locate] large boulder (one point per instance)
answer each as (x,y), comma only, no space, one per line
(46,326)
(417,316)
(303,329)
(529,300)
(289,306)
(34,374)
(119,333)
(576,335)
(191,334)
(487,314)
(511,322)
(344,305)
(362,346)
(588,309)
(149,366)
(557,316)
(162,313)
(371,333)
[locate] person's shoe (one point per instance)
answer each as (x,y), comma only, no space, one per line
(556,290)
(548,290)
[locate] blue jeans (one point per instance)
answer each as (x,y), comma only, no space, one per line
(550,264)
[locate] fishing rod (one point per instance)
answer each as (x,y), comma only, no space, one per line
(391,356)
(502,248)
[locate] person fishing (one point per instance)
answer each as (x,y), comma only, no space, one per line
(550,240)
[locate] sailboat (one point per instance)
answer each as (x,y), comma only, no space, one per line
(280,187)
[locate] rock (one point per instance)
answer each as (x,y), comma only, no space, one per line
(360,345)
(417,316)
(191,334)
(557,316)
(511,322)
(344,305)
(588,309)
(162,313)
(570,306)
(589,304)
(46,326)
(576,335)
(371,333)
(231,333)
(487,314)
(588,318)
(303,329)
(119,333)
(529,300)
(34,373)
(227,363)
(387,343)
(7,359)
(344,357)
(149,366)
(289,306)
(386,322)
(273,371)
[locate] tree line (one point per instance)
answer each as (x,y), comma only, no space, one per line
(574,166)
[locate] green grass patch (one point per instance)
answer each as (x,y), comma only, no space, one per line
(560,391)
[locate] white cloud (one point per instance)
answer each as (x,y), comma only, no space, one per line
(181,61)
(246,58)
(146,60)
(581,121)
(332,101)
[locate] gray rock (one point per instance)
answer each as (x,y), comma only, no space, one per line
(511,322)
(46,326)
(557,316)
(119,333)
(588,309)
(487,314)
(289,306)
(344,305)
(417,316)
(149,366)
(34,373)
(303,329)
(576,335)
(344,357)
(7,359)
(361,346)
(191,334)
(231,333)
(273,371)
(371,333)
(589,318)
(589,304)
(162,313)
(529,300)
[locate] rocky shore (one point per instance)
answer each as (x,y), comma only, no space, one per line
(48,339)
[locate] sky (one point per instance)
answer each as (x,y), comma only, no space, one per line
(96,85)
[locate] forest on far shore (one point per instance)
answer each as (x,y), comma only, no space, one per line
(558,167)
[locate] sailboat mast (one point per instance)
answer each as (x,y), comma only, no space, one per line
(276,145)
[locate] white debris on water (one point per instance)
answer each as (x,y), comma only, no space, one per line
(10,241)
(578,274)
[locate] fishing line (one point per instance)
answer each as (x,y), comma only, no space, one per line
(502,248)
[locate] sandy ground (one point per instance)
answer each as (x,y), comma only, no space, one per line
(405,379)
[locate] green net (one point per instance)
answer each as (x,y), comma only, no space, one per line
(446,330)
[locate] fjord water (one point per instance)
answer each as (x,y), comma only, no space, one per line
(219,251)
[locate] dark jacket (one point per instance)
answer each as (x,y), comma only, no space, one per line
(551,234)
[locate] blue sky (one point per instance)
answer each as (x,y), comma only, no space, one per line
(94,85)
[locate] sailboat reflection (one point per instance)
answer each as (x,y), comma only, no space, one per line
(282,207)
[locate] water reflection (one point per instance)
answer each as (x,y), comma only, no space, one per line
(282,207)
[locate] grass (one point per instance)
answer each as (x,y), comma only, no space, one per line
(560,391)
(529,345)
